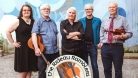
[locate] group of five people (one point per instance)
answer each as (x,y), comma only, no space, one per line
(79,37)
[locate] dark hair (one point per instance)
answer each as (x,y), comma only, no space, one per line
(31,15)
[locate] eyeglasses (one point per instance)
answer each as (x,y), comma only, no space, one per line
(26,10)
(46,9)
(112,7)
(88,9)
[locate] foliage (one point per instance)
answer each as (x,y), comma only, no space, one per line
(1,39)
(6,47)
(127,50)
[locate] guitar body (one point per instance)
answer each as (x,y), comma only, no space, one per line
(39,42)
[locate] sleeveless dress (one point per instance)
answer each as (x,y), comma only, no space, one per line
(25,59)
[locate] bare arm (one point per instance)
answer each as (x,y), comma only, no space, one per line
(12,28)
(34,39)
(36,48)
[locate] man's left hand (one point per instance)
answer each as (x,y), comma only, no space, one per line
(117,37)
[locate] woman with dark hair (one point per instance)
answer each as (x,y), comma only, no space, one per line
(25,60)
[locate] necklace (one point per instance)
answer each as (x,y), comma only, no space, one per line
(27,21)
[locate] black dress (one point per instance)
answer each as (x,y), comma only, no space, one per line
(25,59)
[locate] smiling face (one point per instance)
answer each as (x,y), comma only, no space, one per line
(113,8)
(88,10)
(71,14)
(26,12)
(45,10)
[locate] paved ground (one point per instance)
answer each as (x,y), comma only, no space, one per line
(130,68)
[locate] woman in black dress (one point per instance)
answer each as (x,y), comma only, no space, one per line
(25,60)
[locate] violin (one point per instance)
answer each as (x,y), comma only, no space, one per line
(39,42)
(69,70)
(64,66)
(40,45)
(116,31)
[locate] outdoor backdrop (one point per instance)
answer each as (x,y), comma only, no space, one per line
(9,10)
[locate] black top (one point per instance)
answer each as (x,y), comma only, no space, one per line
(70,45)
(89,31)
(23,31)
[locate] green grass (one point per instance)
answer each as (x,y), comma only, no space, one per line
(130,51)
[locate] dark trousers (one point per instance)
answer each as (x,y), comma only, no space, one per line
(112,53)
(42,64)
(92,50)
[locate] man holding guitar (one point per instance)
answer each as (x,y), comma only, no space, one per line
(111,43)
(47,29)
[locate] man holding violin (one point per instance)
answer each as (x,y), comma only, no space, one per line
(111,44)
(47,29)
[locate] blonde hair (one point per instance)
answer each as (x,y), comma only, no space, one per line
(76,17)
(89,4)
(43,6)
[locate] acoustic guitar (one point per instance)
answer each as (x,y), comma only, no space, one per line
(40,45)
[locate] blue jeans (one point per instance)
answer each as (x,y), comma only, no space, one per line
(92,50)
